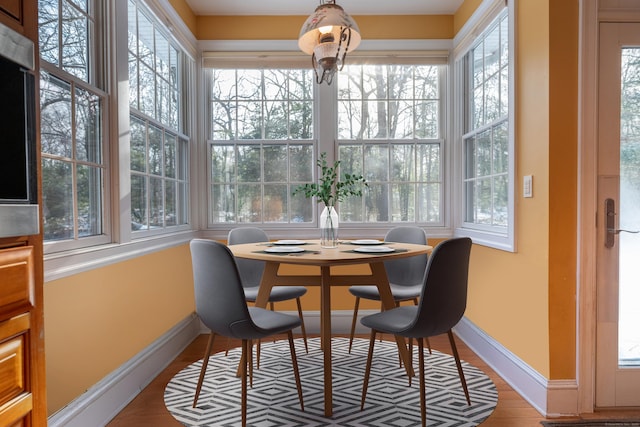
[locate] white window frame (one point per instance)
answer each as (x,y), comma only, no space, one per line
(436,58)
(98,86)
(495,237)
(122,246)
(186,69)
(243,52)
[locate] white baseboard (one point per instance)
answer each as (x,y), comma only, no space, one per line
(104,400)
(552,398)
(99,404)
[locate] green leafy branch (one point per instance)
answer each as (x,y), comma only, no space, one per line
(329,189)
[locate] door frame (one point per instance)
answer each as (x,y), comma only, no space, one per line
(592,12)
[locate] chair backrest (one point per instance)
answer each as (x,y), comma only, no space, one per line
(444,296)
(407,271)
(220,301)
(250,270)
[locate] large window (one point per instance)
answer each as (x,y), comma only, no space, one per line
(486,136)
(390,131)
(264,139)
(159,146)
(74,167)
(261,145)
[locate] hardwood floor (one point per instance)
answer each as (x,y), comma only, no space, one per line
(148,409)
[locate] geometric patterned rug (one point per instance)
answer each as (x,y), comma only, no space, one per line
(273,400)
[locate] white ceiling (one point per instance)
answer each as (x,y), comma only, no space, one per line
(306,7)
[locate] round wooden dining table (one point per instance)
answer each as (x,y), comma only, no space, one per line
(310,253)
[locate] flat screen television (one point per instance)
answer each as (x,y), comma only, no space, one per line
(18,168)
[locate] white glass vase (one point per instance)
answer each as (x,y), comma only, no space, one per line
(329,227)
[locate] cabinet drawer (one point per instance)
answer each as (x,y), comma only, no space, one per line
(12,361)
(16,278)
(13,8)
(16,400)
(13,413)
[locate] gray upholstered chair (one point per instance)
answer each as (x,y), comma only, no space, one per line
(221,306)
(406,275)
(251,273)
(442,304)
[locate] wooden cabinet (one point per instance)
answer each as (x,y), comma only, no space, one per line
(21,344)
(12,14)
(16,400)
(13,9)
(22,365)
(20,15)
(17,279)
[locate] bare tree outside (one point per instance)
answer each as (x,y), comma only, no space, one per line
(73,167)
(158,147)
(486,142)
(388,130)
(261,134)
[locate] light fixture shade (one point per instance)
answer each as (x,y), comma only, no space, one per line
(327,15)
(325,52)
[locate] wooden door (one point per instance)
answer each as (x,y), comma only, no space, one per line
(618,270)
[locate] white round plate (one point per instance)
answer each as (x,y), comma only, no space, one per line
(374,249)
(366,242)
(289,242)
(284,249)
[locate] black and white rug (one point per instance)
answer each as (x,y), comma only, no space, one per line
(273,400)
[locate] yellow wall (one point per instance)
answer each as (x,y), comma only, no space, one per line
(463,13)
(98,320)
(526,300)
(288,27)
(563,172)
(509,291)
(185,12)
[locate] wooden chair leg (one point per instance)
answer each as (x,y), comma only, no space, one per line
(367,370)
(411,355)
(272,307)
(463,381)
(381,310)
(415,302)
(250,363)
(296,372)
(243,403)
(423,398)
(203,370)
(226,352)
(258,347)
(304,330)
(353,323)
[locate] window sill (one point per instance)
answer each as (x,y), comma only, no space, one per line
(501,242)
(62,264)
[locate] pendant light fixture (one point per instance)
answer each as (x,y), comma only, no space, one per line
(327,35)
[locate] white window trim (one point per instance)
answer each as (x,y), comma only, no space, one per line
(289,51)
(56,246)
(484,15)
(122,246)
(185,121)
(97,85)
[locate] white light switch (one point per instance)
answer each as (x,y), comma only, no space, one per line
(527,186)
